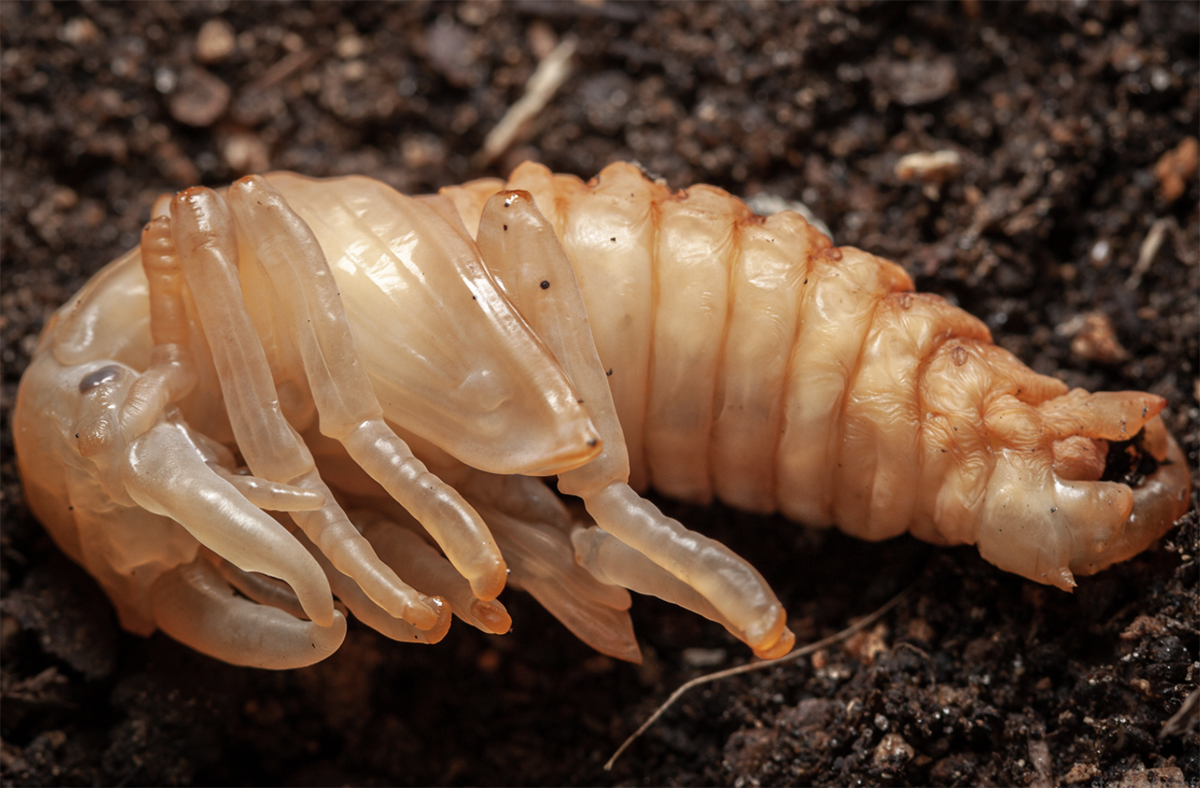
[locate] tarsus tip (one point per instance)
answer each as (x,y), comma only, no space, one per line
(492,615)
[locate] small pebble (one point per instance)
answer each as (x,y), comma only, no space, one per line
(215,41)
(246,153)
(1096,340)
(199,98)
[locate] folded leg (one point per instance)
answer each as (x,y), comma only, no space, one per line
(542,562)
(612,561)
(167,474)
(524,254)
(263,589)
(349,411)
(194,605)
(374,616)
(423,566)
(204,233)
(175,490)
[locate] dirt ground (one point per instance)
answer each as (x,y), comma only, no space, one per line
(1059,112)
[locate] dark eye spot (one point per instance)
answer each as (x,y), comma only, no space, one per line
(99,378)
(545,284)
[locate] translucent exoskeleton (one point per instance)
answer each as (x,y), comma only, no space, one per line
(296,390)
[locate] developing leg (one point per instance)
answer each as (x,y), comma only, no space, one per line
(154,463)
(204,233)
(348,409)
(525,256)
(426,568)
(196,606)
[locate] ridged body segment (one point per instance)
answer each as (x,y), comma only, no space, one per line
(751,359)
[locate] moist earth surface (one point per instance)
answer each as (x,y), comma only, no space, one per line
(1070,227)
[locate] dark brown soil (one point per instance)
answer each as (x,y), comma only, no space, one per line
(1060,113)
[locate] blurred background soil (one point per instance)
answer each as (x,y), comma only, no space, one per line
(1070,227)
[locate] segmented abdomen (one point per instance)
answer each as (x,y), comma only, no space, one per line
(752,360)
